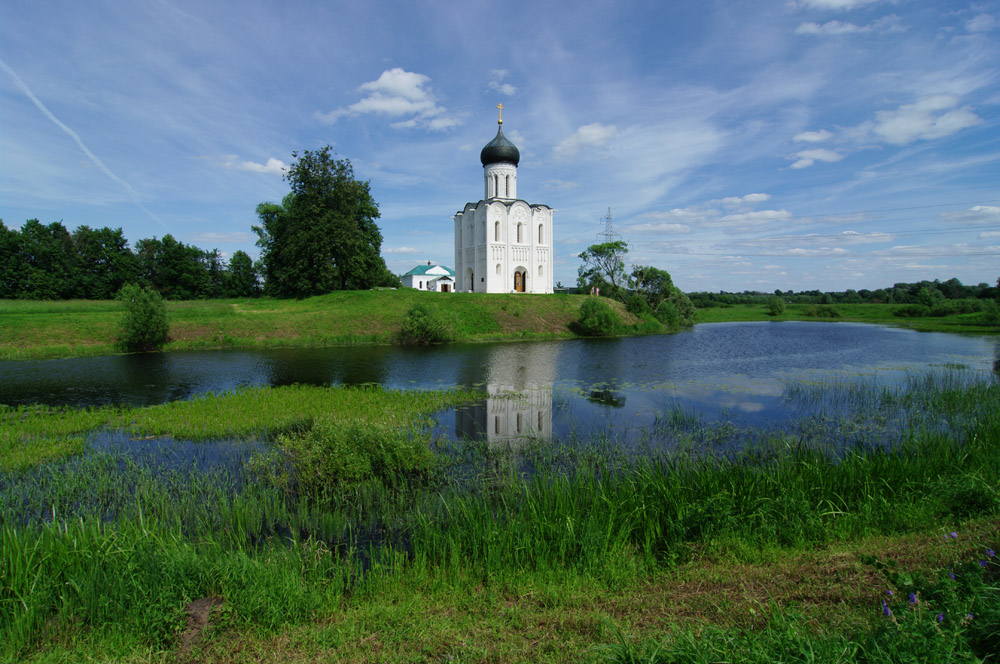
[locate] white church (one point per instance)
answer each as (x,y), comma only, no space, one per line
(502,243)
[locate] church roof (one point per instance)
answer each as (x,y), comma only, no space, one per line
(439,270)
(500,149)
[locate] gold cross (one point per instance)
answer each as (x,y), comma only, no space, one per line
(500,106)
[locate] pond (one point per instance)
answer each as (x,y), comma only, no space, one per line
(713,372)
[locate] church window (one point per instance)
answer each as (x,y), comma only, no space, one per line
(539,421)
(539,270)
(519,233)
(498,269)
(496,231)
(540,240)
(519,422)
(496,424)
(506,187)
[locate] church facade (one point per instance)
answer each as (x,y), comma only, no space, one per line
(502,243)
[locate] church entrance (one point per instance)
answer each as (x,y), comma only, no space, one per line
(470,277)
(519,279)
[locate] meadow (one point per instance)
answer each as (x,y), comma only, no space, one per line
(50,329)
(304,523)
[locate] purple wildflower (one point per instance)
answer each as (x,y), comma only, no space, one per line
(951,574)
(969,616)
(913,598)
(890,595)
(983,563)
(886,611)
(954,535)
(990,553)
(940,617)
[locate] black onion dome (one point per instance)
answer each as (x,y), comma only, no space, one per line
(499,150)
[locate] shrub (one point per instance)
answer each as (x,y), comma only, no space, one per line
(332,453)
(598,319)
(821,311)
(911,311)
(637,305)
(667,314)
(424,326)
(775,306)
(144,325)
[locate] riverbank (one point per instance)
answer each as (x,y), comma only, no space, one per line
(51,329)
(547,551)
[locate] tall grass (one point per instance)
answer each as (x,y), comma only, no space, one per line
(113,543)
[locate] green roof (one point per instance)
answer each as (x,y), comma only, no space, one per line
(423,269)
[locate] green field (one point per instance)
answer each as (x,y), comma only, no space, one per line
(48,329)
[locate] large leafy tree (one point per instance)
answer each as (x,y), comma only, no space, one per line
(323,235)
(104,262)
(604,267)
(243,278)
(653,284)
(175,270)
(48,261)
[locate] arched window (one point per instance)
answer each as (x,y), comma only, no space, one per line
(498,269)
(496,231)
(506,187)
(540,234)
(539,270)
(519,232)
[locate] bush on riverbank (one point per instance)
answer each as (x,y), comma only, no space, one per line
(597,319)
(143,325)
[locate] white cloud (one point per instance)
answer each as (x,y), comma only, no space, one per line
(402,250)
(930,117)
(977,214)
(749,199)
(807,158)
(496,83)
(237,237)
(813,136)
(398,93)
(830,28)
(989,234)
(660,228)
(885,24)
(836,4)
(981,23)
(273,166)
(594,135)
(757,216)
(559,185)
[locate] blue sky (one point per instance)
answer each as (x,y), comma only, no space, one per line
(826,144)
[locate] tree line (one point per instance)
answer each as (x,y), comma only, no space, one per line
(322,237)
(48,262)
(925,293)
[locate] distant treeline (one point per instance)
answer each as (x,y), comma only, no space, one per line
(925,293)
(47,262)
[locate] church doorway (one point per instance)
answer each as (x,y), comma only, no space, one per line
(471,276)
(520,277)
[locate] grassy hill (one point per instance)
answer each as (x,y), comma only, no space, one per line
(33,329)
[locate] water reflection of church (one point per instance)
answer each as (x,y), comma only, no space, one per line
(518,402)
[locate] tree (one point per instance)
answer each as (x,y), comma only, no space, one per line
(653,284)
(604,267)
(10,262)
(47,261)
(323,236)
(243,280)
(104,262)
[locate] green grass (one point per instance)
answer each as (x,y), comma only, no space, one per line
(882,314)
(592,555)
(74,328)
